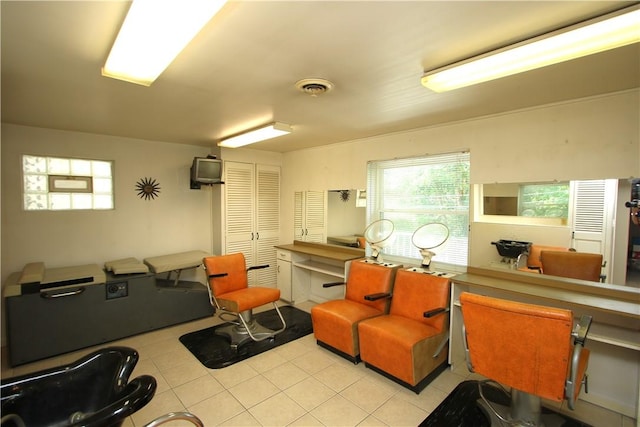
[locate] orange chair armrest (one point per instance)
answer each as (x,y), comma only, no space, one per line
(257,267)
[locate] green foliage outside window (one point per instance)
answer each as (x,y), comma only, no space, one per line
(544,200)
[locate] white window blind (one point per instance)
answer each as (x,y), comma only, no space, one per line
(416,191)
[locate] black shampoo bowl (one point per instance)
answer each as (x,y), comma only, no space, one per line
(93,391)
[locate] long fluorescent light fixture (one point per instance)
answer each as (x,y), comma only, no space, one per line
(267,132)
(154,32)
(607,32)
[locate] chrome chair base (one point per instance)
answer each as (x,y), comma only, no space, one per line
(246,328)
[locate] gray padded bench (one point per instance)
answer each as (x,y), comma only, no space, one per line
(58,310)
(175,263)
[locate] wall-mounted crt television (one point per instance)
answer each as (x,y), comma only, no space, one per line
(206,170)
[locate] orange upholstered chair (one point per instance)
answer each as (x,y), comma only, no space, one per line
(335,323)
(230,292)
(535,350)
(576,265)
(409,345)
(532,261)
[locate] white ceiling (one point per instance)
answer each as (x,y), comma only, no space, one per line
(241,70)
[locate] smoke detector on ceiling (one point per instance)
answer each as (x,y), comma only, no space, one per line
(314,87)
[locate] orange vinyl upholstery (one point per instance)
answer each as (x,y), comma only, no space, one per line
(335,323)
(232,292)
(534,264)
(403,343)
(576,265)
(524,346)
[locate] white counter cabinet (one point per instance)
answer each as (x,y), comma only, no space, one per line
(312,265)
(283,274)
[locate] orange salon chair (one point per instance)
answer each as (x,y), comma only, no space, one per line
(409,345)
(230,293)
(535,350)
(532,262)
(335,323)
(575,265)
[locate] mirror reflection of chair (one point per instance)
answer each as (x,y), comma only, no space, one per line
(575,265)
(535,350)
(335,323)
(230,292)
(409,345)
(530,260)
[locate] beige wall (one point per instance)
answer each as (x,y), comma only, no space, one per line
(593,138)
(178,220)
(585,139)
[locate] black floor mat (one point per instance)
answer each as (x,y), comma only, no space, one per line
(214,351)
(460,409)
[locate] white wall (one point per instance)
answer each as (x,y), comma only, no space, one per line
(178,220)
(591,138)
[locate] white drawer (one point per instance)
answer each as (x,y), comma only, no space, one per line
(284,255)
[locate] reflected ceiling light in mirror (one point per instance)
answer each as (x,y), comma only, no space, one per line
(597,35)
(256,135)
(154,32)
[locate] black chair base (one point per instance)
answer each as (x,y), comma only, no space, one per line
(420,385)
(350,358)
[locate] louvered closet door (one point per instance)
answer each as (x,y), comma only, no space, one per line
(267,222)
(316,216)
(592,220)
(240,208)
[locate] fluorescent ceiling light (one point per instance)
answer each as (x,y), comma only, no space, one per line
(267,132)
(153,34)
(608,32)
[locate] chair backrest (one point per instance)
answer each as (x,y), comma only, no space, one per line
(235,267)
(524,346)
(415,292)
(533,259)
(576,265)
(368,278)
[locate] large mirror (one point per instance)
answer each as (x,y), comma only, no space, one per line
(537,199)
(586,215)
(346,216)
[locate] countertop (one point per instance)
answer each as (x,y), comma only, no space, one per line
(333,252)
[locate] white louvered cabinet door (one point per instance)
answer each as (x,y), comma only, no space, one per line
(310,216)
(252,206)
(592,218)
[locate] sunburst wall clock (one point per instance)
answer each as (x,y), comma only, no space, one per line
(148,188)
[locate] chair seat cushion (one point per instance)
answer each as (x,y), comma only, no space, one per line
(248,298)
(336,323)
(407,350)
(397,331)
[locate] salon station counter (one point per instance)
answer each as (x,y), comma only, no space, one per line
(614,337)
(304,266)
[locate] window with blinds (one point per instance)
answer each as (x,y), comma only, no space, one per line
(416,191)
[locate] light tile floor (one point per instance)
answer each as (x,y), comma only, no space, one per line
(296,384)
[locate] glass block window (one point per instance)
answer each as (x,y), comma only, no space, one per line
(52,183)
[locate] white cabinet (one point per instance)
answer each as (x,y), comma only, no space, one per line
(252,216)
(284,275)
(310,216)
